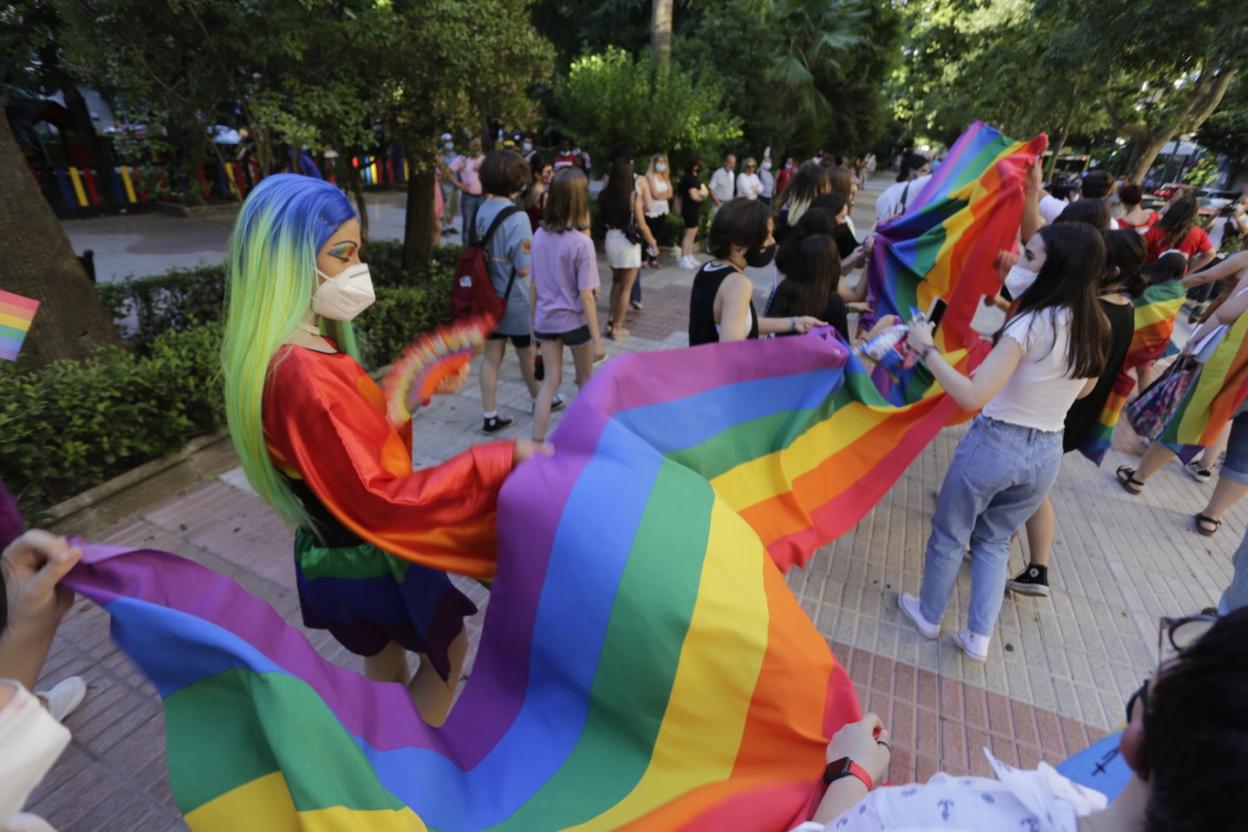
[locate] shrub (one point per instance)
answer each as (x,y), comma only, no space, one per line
(74,424)
(613,96)
(144,308)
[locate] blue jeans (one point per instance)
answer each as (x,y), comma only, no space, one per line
(1236,595)
(999,475)
(1236,465)
(468,205)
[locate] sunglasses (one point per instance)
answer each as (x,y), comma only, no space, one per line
(1174,637)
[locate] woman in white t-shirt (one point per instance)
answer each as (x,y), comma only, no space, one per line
(748,183)
(1048,354)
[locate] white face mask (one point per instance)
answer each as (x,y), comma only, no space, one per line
(527,147)
(449,145)
(660,167)
(766,165)
(1019,280)
(344,296)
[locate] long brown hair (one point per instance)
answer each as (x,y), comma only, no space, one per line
(1178,221)
(567,201)
(810,180)
(813,273)
(1070,279)
(617,198)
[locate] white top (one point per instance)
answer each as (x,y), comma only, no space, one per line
(1019,800)
(898,197)
(722,184)
(1040,391)
(32,740)
(769,182)
(749,185)
(749,323)
(1051,207)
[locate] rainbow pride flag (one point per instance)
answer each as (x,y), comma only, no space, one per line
(1213,398)
(946,243)
(642,664)
(16,315)
(1155,313)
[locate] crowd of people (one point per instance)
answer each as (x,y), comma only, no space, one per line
(315,443)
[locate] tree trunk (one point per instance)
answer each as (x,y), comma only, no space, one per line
(70,321)
(1144,152)
(661,31)
(1065,134)
(419,228)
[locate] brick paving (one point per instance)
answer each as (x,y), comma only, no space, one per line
(1059,670)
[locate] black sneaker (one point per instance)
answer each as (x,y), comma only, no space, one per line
(1034,580)
(494,424)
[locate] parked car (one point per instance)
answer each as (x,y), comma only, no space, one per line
(1213,200)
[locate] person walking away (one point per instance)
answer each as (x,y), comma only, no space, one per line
(1130,196)
(748,183)
(504,174)
(625,219)
(810,182)
(1047,355)
(1178,229)
(565,270)
(468,169)
(913,176)
(693,193)
(535,198)
(721,305)
(1124,255)
(723,183)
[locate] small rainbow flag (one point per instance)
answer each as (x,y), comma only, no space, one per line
(16,314)
(1155,313)
(945,245)
(1213,398)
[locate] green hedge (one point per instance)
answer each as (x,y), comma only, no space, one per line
(75,424)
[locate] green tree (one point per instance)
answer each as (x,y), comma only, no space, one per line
(613,96)
(455,67)
(1226,131)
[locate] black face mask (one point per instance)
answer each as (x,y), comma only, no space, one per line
(760,257)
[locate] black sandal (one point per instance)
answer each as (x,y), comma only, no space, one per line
(1206,525)
(1126,478)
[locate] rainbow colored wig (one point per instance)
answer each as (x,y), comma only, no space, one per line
(283,224)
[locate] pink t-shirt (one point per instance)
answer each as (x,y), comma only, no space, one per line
(469,171)
(564,265)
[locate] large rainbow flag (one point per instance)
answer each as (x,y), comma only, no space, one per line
(642,664)
(1213,398)
(1155,313)
(946,243)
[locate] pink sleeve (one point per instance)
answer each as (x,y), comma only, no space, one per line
(458,164)
(586,266)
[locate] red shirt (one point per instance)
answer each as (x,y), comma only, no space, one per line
(1194,243)
(1152,217)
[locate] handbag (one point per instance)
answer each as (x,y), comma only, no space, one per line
(1150,412)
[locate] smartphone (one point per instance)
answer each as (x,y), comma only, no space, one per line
(937,311)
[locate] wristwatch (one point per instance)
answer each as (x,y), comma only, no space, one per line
(846,767)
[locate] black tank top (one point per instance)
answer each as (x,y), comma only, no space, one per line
(702,304)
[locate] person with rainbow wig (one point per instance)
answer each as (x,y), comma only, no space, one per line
(374,538)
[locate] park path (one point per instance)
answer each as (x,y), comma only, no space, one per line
(1059,672)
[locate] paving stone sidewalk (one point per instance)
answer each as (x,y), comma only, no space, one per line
(1059,671)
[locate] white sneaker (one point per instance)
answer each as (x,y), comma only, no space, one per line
(689,264)
(25,822)
(64,697)
(910,606)
(973,645)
